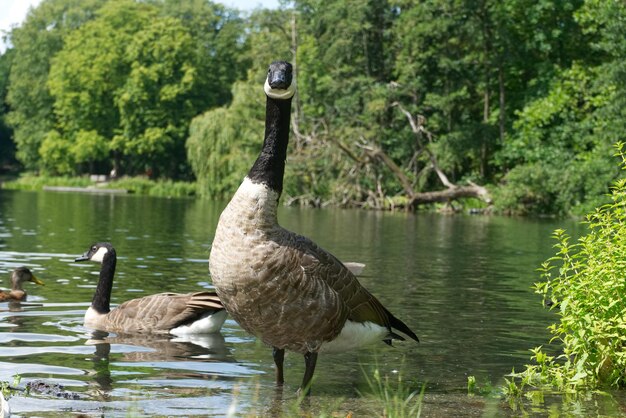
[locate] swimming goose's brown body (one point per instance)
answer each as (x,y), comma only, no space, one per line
(174,313)
(281,286)
(19,276)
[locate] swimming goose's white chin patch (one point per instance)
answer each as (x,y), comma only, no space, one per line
(98,257)
(209,323)
(92,317)
(280,94)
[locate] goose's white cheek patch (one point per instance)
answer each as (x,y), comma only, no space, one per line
(280,94)
(98,257)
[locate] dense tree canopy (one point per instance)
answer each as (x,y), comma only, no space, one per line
(120,88)
(7,147)
(35,43)
(396,98)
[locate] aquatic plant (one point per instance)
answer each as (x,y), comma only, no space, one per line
(8,389)
(395,397)
(585,284)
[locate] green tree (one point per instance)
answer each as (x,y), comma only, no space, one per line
(155,103)
(55,154)
(135,76)
(87,73)
(224,142)
(7,147)
(35,42)
(560,154)
(562,161)
(220,148)
(218,36)
(89,147)
(344,57)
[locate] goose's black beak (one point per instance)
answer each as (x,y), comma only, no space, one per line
(280,75)
(278,80)
(81,258)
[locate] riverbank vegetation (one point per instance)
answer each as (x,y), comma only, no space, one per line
(584,283)
(139,185)
(400,103)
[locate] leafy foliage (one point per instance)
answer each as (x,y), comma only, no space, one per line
(586,283)
(131,74)
(526,97)
(220,148)
(7,147)
(30,181)
(36,42)
(560,152)
(139,185)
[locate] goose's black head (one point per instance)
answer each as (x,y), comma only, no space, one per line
(280,83)
(97,252)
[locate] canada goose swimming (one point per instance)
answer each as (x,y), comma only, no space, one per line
(174,313)
(281,286)
(18,277)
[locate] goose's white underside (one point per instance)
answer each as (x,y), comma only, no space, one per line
(208,323)
(354,335)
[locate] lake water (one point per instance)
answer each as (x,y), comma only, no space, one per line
(462,283)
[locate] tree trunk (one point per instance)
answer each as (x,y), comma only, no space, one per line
(502,115)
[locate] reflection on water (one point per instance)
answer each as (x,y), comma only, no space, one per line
(462,283)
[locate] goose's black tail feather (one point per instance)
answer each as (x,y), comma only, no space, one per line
(400,326)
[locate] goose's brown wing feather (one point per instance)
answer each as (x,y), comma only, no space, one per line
(163,311)
(322,265)
(363,306)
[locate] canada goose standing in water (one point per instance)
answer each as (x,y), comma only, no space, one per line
(174,313)
(281,286)
(18,277)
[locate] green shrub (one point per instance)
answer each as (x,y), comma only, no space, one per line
(34,182)
(137,185)
(586,284)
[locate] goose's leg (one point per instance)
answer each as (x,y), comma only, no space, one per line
(279,358)
(310,359)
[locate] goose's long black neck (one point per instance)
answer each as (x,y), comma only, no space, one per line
(269,167)
(102,298)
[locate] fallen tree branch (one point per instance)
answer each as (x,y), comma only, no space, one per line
(453,193)
(372,153)
(377,153)
(417,126)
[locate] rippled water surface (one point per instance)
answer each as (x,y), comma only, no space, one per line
(461,282)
